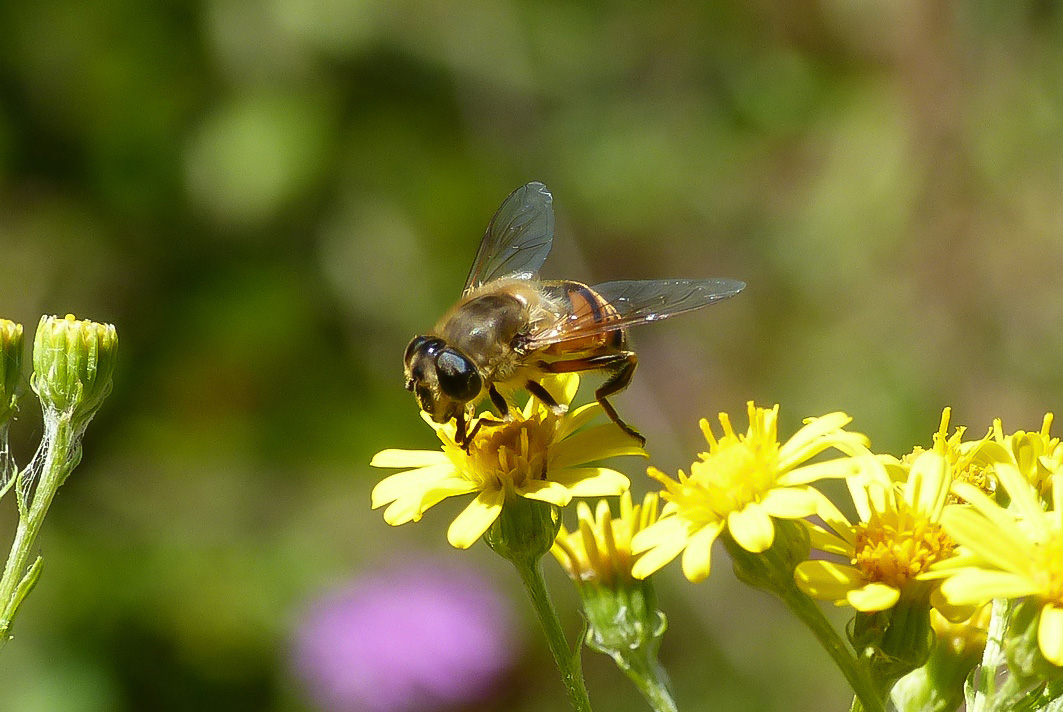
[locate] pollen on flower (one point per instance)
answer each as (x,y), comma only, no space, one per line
(513,453)
(537,455)
(735,472)
(894,551)
(744,482)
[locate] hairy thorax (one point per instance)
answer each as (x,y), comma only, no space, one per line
(489,323)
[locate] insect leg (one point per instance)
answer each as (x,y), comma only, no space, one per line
(460,436)
(537,390)
(622,368)
(616,383)
(472,433)
(499,402)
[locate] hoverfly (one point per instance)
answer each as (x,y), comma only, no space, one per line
(509,329)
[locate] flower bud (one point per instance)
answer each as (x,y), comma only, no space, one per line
(10,367)
(524,530)
(72,365)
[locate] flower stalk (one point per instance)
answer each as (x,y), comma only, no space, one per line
(772,571)
(623,620)
(522,534)
(618,628)
(57,462)
(73,362)
(568,661)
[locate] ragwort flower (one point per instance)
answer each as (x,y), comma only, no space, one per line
(537,454)
(599,550)
(1037,455)
(1009,553)
(969,461)
(897,538)
(740,484)
(623,619)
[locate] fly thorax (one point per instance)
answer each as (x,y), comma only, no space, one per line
(485,327)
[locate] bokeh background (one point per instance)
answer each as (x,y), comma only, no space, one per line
(268,198)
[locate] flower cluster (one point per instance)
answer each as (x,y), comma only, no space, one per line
(936,535)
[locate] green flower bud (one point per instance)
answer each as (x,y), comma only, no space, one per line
(525,529)
(72,365)
(10,367)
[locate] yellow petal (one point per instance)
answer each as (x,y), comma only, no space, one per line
(591,481)
(562,386)
(791,502)
(475,519)
(661,532)
(1050,634)
(837,521)
(412,506)
(829,542)
(546,491)
(408,458)
(827,580)
(975,586)
(840,467)
(1025,500)
(597,443)
(658,544)
(401,484)
(1002,546)
(928,483)
(953,614)
(873,597)
(697,557)
(751,528)
(811,439)
(576,419)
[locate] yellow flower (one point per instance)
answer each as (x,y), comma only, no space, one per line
(740,484)
(1037,455)
(898,537)
(1009,553)
(969,460)
(537,454)
(600,549)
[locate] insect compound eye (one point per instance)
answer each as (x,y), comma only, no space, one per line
(426,344)
(458,377)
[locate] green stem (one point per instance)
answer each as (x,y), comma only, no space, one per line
(642,668)
(531,573)
(773,571)
(867,698)
(16,581)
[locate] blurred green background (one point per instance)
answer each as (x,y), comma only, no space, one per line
(269,198)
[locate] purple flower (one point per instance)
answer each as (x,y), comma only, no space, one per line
(414,636)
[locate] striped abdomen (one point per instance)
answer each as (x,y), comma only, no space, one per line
(587,310)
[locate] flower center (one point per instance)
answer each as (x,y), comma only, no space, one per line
(976,476)
(895,549)
(736,473)
(513,453)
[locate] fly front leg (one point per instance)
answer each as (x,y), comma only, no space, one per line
(539,391)
(499,402)
(461,437)
(620,366)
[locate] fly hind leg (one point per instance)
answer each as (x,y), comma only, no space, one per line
(618,381)
(620,366)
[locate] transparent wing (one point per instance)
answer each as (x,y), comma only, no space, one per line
(518,238)
(633,302)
